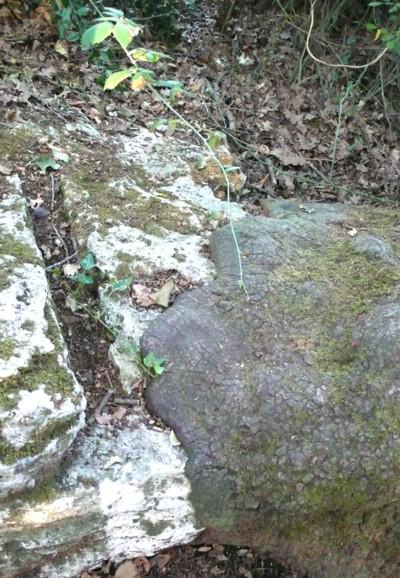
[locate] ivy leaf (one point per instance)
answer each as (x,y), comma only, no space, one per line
(133,348)
(169,84)
(215,139)
(117,77)
(44,162)
(162,296)
(154,363)
(112,12)
(83,279)
(231,169)
(96,34)
(121,285)
(88,262)
(60,155)
(122,33)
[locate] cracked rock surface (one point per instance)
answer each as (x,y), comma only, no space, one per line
(287,399)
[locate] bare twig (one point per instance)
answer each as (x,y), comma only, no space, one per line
(52,194)
(61,240)
(103,402)
(385,109)
(65,260)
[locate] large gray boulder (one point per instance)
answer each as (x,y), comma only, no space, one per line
(286,397)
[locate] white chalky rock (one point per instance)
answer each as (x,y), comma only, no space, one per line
(41,403)
(123,496)
(147,217)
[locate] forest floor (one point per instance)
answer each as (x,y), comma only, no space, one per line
(296,129)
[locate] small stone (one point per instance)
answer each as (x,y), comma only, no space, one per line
(40,213)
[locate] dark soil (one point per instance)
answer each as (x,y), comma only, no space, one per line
(204,561)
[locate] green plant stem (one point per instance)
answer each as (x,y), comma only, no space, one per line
(217,161)
(96,8)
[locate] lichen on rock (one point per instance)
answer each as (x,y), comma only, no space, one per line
(41,403)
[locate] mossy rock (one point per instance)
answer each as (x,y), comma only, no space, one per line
(41,403)
(287,395)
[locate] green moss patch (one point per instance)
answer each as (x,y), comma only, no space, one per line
(17,141)
(98,203)
(37,444)
(350,284)
(7,348)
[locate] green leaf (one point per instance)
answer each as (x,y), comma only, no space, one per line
(171,84)
(154,363)
(88,262)
(112,12)
(121,285)
(83,279)
(44,162)
(96,34)
(122,34)
(215,139)
(146,55)
(83,11)
(60,156)
(117,77)
(133,348)
(158,369)
(154,124)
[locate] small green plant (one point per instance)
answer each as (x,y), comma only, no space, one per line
(87,277)
(150,364)
(113,24)
(387,23)
(72,17)
(154,364)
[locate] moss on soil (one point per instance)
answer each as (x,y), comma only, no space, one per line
(317,301)
(353,284)
(20,139)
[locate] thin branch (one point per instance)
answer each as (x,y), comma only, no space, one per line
(65,260)
(215,158)
(341,65)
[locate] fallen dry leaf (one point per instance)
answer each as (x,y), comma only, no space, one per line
(5,170)
(103,419)
(163,296)
(287,158)
(119,413)
(142,295)
(35,203)
(71,269)
(127,569)
(161,560)
(143,563)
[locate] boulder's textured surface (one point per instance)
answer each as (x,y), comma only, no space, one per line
(41,403)
(287,399)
